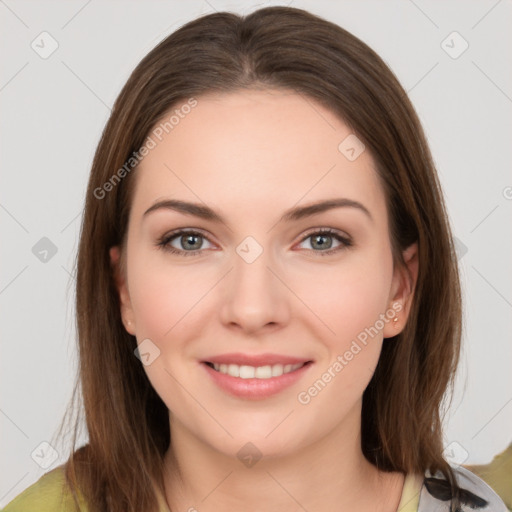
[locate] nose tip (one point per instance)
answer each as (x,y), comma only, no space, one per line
(254,298)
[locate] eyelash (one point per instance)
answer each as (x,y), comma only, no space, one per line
(163,242)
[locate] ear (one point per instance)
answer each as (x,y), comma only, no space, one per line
(402,292)
(127,314)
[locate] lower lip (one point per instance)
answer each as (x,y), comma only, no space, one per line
(255,389)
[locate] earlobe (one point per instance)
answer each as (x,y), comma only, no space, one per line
(122,288)
(404,284)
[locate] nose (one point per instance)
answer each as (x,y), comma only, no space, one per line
(254,297)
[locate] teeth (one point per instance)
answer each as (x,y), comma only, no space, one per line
(260,372)
(263,372)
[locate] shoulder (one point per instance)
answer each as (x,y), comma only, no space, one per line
(49,494)
(476,495)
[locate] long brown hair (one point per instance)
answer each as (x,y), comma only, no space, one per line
(281,48)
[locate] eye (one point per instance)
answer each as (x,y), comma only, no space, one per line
(191,242)
(187,239)
(322,239)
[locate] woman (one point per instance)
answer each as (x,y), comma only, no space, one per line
(295,355)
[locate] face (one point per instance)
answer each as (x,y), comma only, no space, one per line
(238,279)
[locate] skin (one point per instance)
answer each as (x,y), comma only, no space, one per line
(251,156)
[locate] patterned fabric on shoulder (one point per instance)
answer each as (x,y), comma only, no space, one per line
(476,495)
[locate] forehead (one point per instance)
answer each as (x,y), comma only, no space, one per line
(254,147)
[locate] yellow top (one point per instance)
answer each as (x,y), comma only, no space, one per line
(49,494)
(410,493)
(498,474)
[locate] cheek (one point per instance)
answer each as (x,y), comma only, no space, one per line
(161,296)
(350,302)
(165,305)
(347,299)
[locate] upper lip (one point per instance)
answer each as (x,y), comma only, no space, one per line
(255,359)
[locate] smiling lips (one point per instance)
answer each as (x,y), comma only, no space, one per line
(261,366)
(255,376)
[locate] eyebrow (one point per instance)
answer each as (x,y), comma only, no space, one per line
(297,213)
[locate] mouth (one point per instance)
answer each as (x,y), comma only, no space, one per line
(255,376)
(256,372)
(248,382)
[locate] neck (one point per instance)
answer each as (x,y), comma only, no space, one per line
(331,474)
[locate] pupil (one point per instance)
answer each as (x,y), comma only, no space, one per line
(322,245)
(191,237)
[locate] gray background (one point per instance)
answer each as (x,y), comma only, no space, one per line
(54,110)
